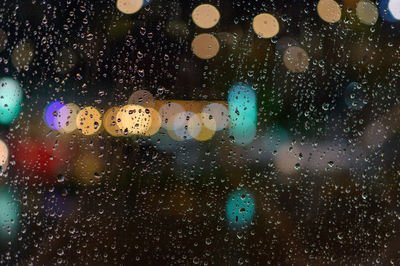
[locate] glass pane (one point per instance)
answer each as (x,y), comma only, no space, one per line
(149,132)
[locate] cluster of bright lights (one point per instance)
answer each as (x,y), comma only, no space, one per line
(206,16)
(366,11)
(183,120)
(205,45)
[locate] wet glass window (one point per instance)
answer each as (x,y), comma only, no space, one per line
(150,132)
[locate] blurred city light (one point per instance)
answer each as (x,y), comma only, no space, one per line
(242,103)
(240,209)
(10,100)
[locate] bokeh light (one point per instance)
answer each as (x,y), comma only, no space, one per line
(110,122)
(219,112)
(296,59)
(129,6)
(167,111)
(180,125)
(242,103)
(51,113)
(265,25)
(206,16)
(4,153)
(155,123)
(39,158)
(202,126)
(10,100)
(240,209)
(367,12)
(9,215)
(394,8)
(65,121)
(88,120)
(385,13)
(133,119)
(205,46)
(329,11)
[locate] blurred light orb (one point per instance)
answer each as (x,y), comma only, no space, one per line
(4,153)
(167,111)
(10,100)
(296,59)
(51,113)
(22,55)
(386,12)
(155,122)
(202,126)
(367,12)
(129,6)
(133,120)
(240,209)
(205,46)
(355,96)
(110,122)
(65,120)
(9,215)
(265,25)
(329,11)
(242,102)
(180,125)
(219,112)
(142,97)
(88,120)
(394,8)
(206,16)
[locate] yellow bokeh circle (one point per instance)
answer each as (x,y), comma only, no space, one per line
(88,120)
